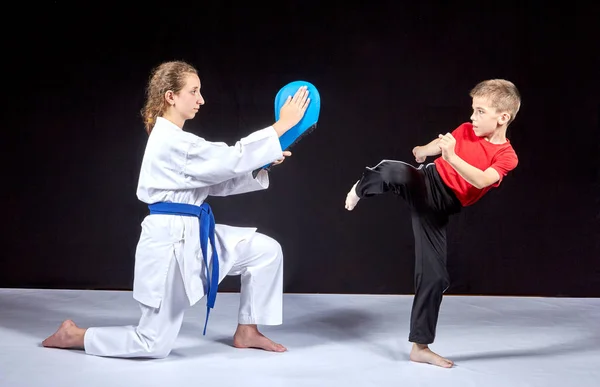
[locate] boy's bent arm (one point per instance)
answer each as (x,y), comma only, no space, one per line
(475,176)
(430,149)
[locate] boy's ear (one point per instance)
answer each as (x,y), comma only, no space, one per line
(503,118)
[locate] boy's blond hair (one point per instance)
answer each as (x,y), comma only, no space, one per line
(502,94)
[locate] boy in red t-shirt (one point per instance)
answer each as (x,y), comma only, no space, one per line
(474,158)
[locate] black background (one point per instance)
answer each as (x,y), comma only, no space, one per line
(391,76)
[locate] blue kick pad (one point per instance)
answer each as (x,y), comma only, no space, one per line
(306,125)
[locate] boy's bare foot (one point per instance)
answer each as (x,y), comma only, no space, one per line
(351,199)
(68,335)
(421,353)
(248,336)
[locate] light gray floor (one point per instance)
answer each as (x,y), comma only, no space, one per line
(333,340)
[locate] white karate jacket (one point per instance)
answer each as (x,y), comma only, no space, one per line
(181,167)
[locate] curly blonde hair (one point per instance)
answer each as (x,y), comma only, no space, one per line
(164,77)
(503,96)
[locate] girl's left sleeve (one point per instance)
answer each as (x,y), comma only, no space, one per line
(241,184)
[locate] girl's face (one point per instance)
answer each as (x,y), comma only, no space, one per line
(188,101)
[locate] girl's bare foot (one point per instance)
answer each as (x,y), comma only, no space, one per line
(68,335)
(248,336)
(422,354)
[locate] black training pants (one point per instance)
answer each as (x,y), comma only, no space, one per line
(431,203)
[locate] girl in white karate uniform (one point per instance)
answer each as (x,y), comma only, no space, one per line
(171,270)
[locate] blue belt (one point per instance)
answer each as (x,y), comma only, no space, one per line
(207,231)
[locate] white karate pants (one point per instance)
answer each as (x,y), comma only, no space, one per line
(260,265)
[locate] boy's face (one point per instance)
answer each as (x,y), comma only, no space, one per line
(485,118)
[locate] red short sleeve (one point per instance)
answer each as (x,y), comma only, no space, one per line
(504,162)
(459,132)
